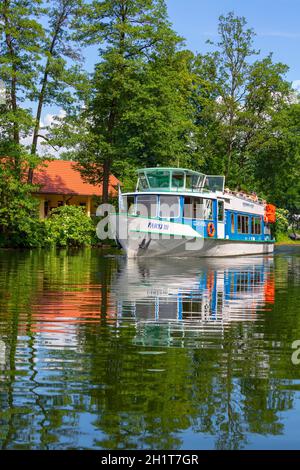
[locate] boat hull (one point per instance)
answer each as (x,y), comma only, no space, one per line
(138,239)
(189,248)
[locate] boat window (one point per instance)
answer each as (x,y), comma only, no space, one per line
(130,205)
(214,183)
(159,179)
(220,211)
(194,182)
(198,208)
(188,209)
(232,223)
(256,225)
(169,207)
(127,204)
(243,224)
(207,209)
(188,182)
(177,180)
(193,208)
(146,205)
(142,182)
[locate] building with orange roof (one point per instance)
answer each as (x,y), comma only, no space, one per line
(61,183)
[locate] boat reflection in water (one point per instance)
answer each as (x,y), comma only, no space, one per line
(178,302)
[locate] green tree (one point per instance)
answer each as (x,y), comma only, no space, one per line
(57,77)
(37,57)
(236,99)
(234,49)
(137,110)
(20,53)
(277,166)
(19,220)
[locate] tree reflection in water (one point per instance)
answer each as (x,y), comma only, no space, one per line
(161,354)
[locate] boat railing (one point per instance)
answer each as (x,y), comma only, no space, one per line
(245,196)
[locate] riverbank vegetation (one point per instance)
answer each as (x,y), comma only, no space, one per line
(20,225)
(149,101)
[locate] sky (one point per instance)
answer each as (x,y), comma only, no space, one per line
(276,23)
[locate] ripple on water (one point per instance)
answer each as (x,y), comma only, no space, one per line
(100,352)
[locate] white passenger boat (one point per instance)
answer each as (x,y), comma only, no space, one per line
(179,212)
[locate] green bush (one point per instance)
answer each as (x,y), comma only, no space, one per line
(19,210)
(69,226)
(282,223)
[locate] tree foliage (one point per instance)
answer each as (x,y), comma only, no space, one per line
(37,57)
(137,110)
(19,222)
(149,100)
(237,97)
(20,35)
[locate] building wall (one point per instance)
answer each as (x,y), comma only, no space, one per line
(51,201)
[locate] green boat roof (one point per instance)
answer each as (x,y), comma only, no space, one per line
(168,178)
(159,168)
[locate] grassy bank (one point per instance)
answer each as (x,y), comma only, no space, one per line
(283,239)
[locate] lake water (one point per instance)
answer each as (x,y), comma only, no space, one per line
(100,352)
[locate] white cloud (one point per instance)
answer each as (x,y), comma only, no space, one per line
(47,121)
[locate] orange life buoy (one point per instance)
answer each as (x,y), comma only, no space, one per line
(211,229)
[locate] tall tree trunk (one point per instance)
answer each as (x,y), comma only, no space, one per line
(105,183)
(39,111)
(108,160)
(42,93)
(231,138)
(14,81)
(112,116)
(38,119)
(16,130)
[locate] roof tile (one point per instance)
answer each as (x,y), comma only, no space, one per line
(62,177)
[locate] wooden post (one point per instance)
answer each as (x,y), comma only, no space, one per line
(42,208)
(88,206)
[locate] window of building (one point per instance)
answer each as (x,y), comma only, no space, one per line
(46,208)
(220,211)
(243,224)
(256,225)
(232,223)
(169,207)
